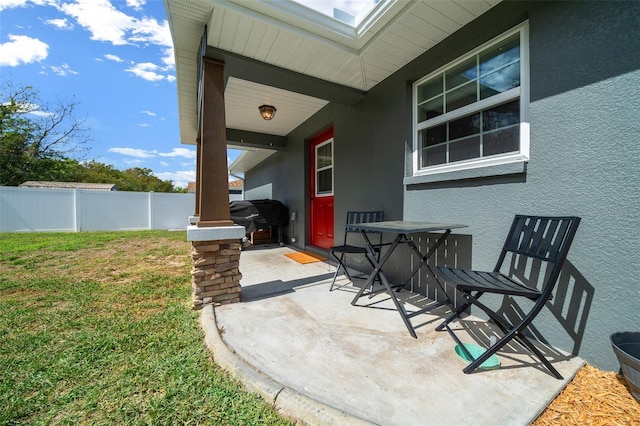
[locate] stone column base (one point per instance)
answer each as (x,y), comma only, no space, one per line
(215,278)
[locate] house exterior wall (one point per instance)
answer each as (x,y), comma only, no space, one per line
(585,151)
(361,173)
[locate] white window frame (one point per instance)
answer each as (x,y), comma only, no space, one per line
(521,92)
(317,147)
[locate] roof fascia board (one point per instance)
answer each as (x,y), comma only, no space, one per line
(260,72)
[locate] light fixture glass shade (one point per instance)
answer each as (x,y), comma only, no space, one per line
(267,111)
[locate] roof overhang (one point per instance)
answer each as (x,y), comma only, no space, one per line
(249,158)
(284,54)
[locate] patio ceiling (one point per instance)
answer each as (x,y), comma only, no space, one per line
(284,54)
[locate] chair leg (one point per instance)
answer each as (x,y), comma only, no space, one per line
(335,276)
(486,354)
(339,266)
(540,356)
(503,341)
(511,332)
(453,316)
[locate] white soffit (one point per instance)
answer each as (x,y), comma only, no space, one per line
(248,159)
(291,36)
(288,35)
(242,99)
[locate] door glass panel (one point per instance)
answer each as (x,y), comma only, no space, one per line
(324,168)
(324,181)
(323,156)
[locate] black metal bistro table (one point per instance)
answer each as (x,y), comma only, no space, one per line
(402,229)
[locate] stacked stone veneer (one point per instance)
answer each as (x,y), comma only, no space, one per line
(216,272)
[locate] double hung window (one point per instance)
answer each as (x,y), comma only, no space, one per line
(474,112)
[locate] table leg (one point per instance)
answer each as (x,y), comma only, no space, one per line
(423,261)
(377,265)
(377,271)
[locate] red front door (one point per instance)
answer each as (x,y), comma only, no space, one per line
(321,191)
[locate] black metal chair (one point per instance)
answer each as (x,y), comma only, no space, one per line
(532,241)
(348,248)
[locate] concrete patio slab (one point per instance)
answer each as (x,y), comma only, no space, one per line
(324,361)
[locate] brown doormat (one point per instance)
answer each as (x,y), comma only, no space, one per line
(305,257)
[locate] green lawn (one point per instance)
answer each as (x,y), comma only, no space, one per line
(97,328)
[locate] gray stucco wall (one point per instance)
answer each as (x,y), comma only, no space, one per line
(585,151)
(368,175)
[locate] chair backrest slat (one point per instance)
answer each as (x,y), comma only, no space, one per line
(546,241)
(543,238)
(354,217)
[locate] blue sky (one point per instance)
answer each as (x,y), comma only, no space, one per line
(115,58)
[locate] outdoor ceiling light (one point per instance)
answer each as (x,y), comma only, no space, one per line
(267,111)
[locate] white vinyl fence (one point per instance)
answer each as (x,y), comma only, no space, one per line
(45,209)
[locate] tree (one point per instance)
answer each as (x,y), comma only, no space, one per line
(135,179)
(36,142)
(34,137)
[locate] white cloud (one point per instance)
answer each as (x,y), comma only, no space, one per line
(9,4)
(61,24)
(149,30)
(149,113)
(180,152)
(179,178)
(134,152)
(143,125)
(147,71)
(135,162)
(169,57)
(113,58)
(22,49)
(164,163)
(142,153)
(63,70)
(39,113)
(34,109)
(108,24)
(101,18)
(136,4)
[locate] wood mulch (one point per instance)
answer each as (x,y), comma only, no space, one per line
(593,397)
